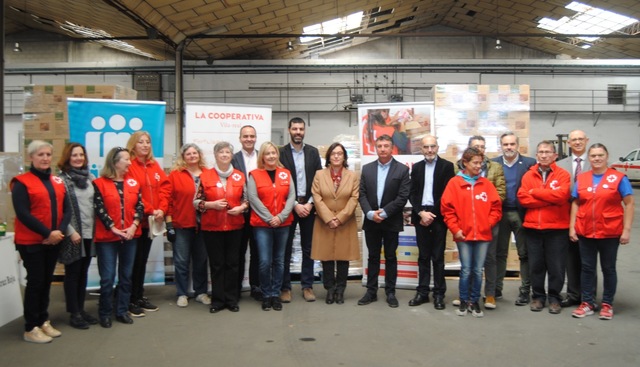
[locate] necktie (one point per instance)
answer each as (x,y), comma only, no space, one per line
(578,167)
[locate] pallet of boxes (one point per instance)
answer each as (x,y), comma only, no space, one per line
(45,116)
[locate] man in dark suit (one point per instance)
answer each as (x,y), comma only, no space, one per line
(429,177)
(246,160)
(575,164)
(302,160)
(514,166)
(384,190)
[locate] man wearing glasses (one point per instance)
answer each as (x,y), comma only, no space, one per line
(545,192)
(575,163)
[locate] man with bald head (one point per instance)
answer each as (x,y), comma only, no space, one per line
(429,177)
(575,163)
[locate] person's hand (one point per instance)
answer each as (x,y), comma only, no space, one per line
(459,236)
(572,235)
(275,221)
(303,210)
(54,238)
(76,238)
(426,218)
(236,210)
(376,216)
(158,215)
(221,204)
(118,232)
(624,239)
(171,232)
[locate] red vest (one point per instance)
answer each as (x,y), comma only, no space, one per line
(40,207)
(183,190)
(219,220)
(111,199)
(272,194)
(600,212)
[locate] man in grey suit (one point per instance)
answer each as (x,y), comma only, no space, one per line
(514,166)
(384,190)
(246,160)
(575,164)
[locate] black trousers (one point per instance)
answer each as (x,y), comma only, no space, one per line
(431,243)
(335,275)
(40,262)
(140,265)
(75,280)
(249,241)
(223,248)
(377,239)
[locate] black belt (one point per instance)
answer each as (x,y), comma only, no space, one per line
(301,200)
(428,208)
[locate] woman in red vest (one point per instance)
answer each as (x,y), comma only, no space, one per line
(271,195)
(183,223)
(42,215)
(156,189)
(221,198)
(600,223)
(118,205)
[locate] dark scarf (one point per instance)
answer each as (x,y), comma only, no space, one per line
(80,177)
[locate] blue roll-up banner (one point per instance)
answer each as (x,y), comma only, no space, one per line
(101,124)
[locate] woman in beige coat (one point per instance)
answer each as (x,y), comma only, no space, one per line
(335,240)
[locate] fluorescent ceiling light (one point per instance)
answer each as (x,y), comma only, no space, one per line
(338,25)
(587,20)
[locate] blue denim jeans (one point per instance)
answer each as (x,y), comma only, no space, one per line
(589,250)
(472,257)
(110,255)
(189,248)
(306,236)
(271,244)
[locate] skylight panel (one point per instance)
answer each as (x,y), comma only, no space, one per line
(587,20)
(346,24)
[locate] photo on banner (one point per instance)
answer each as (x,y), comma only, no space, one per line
(101,124)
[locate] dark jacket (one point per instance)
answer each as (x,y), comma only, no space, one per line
(394,198)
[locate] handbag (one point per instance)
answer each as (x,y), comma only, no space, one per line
(69,252)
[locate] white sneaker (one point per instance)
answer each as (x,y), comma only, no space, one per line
(456,302)
(203,298)
(183,301)
(36,335)
(50,330)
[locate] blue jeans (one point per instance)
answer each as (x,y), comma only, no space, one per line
(271,243)
(589,250)
(111,254)
(547,251)
(472,257)
(189,248)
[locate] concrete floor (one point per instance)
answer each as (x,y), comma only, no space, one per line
(317,334)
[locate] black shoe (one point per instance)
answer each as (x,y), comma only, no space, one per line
(438,302)
(276,304)
(146,305)
(392,300)
(331,295)
(339,298)
(568,302)
(135,311)
(419,299)
(78,322)
(368,298)
(88,318)
(233,308)
(523,299)
(105,322)
(256,294)
(216,309)
(498,294)
(266,304)
(124,318)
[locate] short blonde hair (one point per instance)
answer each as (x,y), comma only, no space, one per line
(36,145)
(263,148)
(131,144)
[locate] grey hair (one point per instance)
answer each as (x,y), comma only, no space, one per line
(221,145)
(36,145)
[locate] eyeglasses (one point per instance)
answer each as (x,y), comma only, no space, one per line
(120,149)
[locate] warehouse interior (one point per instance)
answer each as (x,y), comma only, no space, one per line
(321,59)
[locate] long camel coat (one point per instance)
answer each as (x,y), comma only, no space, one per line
(340,243)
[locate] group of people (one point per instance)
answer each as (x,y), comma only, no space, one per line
(256,198)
